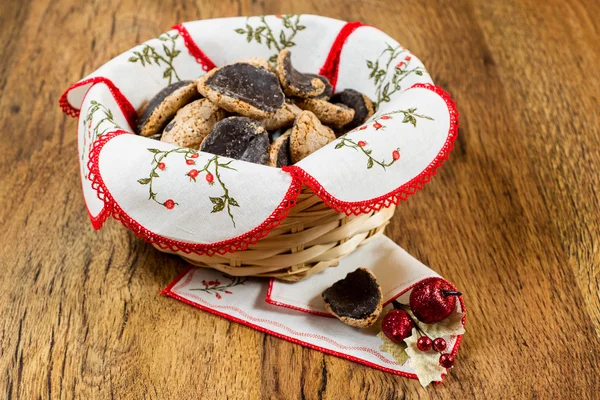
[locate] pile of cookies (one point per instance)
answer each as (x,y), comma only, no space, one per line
(254,112)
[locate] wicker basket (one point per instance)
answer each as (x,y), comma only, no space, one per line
(311,238)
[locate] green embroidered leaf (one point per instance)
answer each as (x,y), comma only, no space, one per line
(290,44)
(370,163)
(167,72)
(420,73)
(339,145)
(240,31)
(260,29)
(154,174)
(176,53)
(300,27)
(133,59)
(233,202)
(163,38)
(369,64)
(219,204)
(368,152)
(411,110)
(273,58)
(154,151)
(144,181)
(282,37)
(249,37)
(167,51)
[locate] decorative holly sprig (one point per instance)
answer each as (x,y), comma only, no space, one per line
(225,201)
(215,287)
(149,55)
(361,146)
(107,122)
(387,83)
(291,26)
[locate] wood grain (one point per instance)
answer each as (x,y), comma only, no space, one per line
(512,219)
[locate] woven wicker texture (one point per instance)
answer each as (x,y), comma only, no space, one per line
(312,237)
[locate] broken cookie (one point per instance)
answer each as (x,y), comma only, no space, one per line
(243,88)
(336,115)
(361,104)
(279,152)
(308,135)
(328,92)
(192,124)
(240,138)
(284,117)
(163,106)
(296,83)
(355,300)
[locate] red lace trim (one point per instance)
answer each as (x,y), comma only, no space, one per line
(227,246)
(332,63)
(401,193)
(124,104)
(194,50)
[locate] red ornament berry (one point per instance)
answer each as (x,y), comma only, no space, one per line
(446,360)
(433,300)
(170,204)
(195,155)
(385,117)
(377,125)
(396,155)
(424,343)
(193,174)
(190,162)
(161,165)
(397,325)
(210,178)
(439,344)
(362,143)
(362,128)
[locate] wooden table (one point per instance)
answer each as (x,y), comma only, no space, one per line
(512,219)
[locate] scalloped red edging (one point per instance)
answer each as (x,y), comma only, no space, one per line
(232,245)
(126,108)
(193,48)
(402,192)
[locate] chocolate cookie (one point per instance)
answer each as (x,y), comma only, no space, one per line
(296,83)
(192,124)
(328,92)
(361,104)
(279,152)
(163,106)
(240,138)
(355,300)
(259,62)
(336,115)
(243,88)
(308,135)
(283,117)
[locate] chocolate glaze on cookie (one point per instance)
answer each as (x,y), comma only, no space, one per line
(163,106)
(356,299)
(240,138)
(250,84)
(296,83)
(328,92)
(361,104)
(279,152)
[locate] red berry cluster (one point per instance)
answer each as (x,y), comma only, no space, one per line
(431,301)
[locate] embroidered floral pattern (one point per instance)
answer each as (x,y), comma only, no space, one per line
(148,55)
(211,168)
(387,83)
(104,125)
(409,116)
(264,34)
(216,287)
